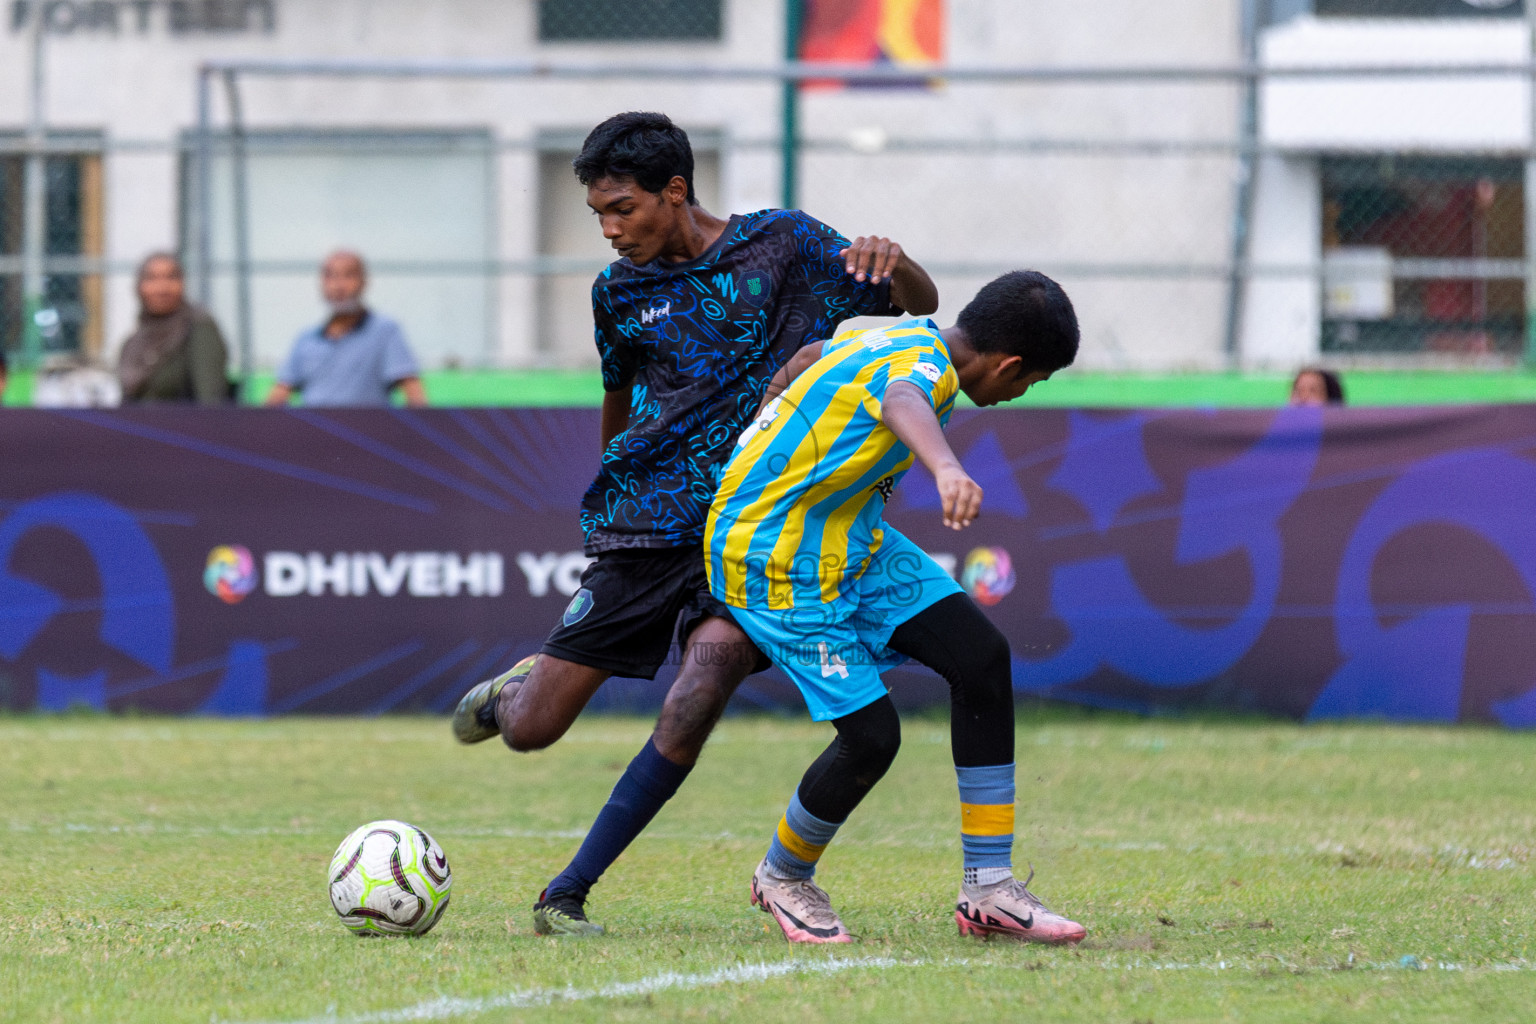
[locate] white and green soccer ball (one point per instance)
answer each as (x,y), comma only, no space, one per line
(390,878)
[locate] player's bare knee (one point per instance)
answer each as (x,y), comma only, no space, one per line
(524,737)
(689,713)
(524,732)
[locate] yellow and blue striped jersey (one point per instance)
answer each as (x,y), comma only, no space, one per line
(797,514)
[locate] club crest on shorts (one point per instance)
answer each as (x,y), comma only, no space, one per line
(578,608)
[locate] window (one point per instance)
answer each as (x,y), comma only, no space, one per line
(70,320)
(1420,8)
(622,21)
(1423,255)
(418,205)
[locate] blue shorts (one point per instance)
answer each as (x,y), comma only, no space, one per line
(835,652)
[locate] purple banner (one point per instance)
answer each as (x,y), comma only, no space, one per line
(1312,564)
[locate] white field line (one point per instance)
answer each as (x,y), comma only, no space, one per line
(446,1007)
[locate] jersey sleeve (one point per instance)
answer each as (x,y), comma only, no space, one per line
(838,293)
(925,368)
(399,362)
(620,361)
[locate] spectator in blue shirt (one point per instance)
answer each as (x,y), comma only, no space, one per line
(357,357)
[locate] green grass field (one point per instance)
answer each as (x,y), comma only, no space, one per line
(173,870)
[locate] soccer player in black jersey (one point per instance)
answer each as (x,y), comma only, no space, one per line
(691,322)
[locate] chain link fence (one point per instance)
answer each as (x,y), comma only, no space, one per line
(1144,191)
(69,317)
(627,20)
(1123,188)
(1425,254)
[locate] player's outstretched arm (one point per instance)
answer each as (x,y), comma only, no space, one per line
(874,259)
(905,410)
(798,364)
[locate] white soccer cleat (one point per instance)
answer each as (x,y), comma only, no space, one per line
(1009,908)
(800,906)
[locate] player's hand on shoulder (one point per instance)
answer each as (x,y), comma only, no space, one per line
(872,258)
(961,496)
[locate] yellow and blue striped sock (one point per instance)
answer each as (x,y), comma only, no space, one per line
(798,844)
(986,822)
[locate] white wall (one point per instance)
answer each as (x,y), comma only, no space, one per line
(1281,302)
(1306,116)
(429,201)
(1065,214)
(1058,212)
(1485,112)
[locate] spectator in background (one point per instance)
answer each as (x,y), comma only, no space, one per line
(357,357)
(1316,386)
(177,354)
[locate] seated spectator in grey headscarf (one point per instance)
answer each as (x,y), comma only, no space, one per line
(177,354)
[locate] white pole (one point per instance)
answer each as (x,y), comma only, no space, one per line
(35,201)
(1530,190)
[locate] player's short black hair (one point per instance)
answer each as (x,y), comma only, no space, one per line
(1025,314)
(641,145)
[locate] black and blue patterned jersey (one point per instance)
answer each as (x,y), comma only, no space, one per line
(701,340)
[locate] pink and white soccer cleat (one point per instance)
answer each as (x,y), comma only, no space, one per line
(1010,909)
(802,909)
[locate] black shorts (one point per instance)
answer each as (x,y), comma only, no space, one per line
(630,606)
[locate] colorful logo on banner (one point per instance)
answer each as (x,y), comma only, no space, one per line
(988,575)
(231,573)
(873,32)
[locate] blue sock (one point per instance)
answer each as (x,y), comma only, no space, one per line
(799,842)
(648,782)
(986,822)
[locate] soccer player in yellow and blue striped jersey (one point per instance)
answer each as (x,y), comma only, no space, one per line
(796,546)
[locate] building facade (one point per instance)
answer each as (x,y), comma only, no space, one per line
(1406,191)
(457,187)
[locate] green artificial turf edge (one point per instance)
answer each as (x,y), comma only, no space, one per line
(581,388)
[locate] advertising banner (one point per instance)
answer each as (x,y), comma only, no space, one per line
(1299,562)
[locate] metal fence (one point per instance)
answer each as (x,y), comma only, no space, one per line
(1138,187)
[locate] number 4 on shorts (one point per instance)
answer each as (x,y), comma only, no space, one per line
(831,663)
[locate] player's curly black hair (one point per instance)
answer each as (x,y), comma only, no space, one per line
(1026,314)
(641,145)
